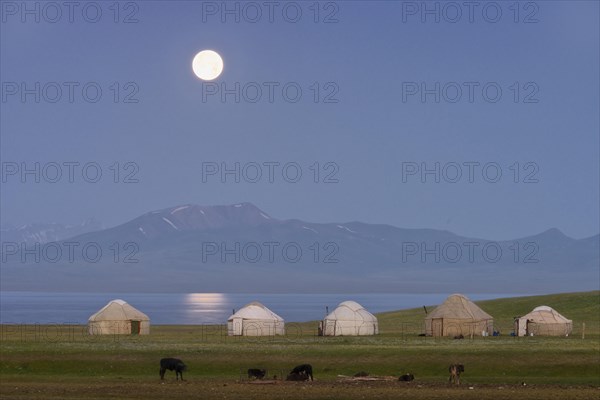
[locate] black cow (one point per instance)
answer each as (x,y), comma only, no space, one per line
(172,364)
(297,377)
(301,373)
(255,373)
(455,371)
(407,378)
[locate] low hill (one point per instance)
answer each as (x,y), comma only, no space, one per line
(580,307)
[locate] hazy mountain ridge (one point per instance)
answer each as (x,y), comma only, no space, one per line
(236,247)
(47,232)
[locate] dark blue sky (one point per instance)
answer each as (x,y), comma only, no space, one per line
(368,129)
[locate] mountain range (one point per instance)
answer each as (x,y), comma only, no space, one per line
(45,233)
(240,248)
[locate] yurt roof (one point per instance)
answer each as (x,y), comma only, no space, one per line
(118,310)
(257,311)
(458,306)
(545,314)
(351,311)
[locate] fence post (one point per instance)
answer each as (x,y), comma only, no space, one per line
(583,330)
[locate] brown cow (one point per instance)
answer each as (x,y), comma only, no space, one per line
(455,371)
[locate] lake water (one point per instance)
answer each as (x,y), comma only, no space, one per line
(198,308)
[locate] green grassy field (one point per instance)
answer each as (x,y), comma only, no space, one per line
(46,362)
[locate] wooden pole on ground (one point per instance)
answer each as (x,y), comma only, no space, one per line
(583,330)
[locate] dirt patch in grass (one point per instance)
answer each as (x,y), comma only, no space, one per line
(221,389)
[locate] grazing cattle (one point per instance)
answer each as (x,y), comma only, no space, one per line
(172,364)
(301,373)
(255,373)
(459,336)
(455,371)
(407,378)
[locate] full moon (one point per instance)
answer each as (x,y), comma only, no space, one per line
(207,65)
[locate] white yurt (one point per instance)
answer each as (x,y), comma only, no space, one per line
(545,321)
(349,319)
(255,319)
(119,318)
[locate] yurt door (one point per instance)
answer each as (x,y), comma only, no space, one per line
(135,327)
(521,326)
(437,326)
(238,326)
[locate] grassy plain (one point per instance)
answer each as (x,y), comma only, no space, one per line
(62,362)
